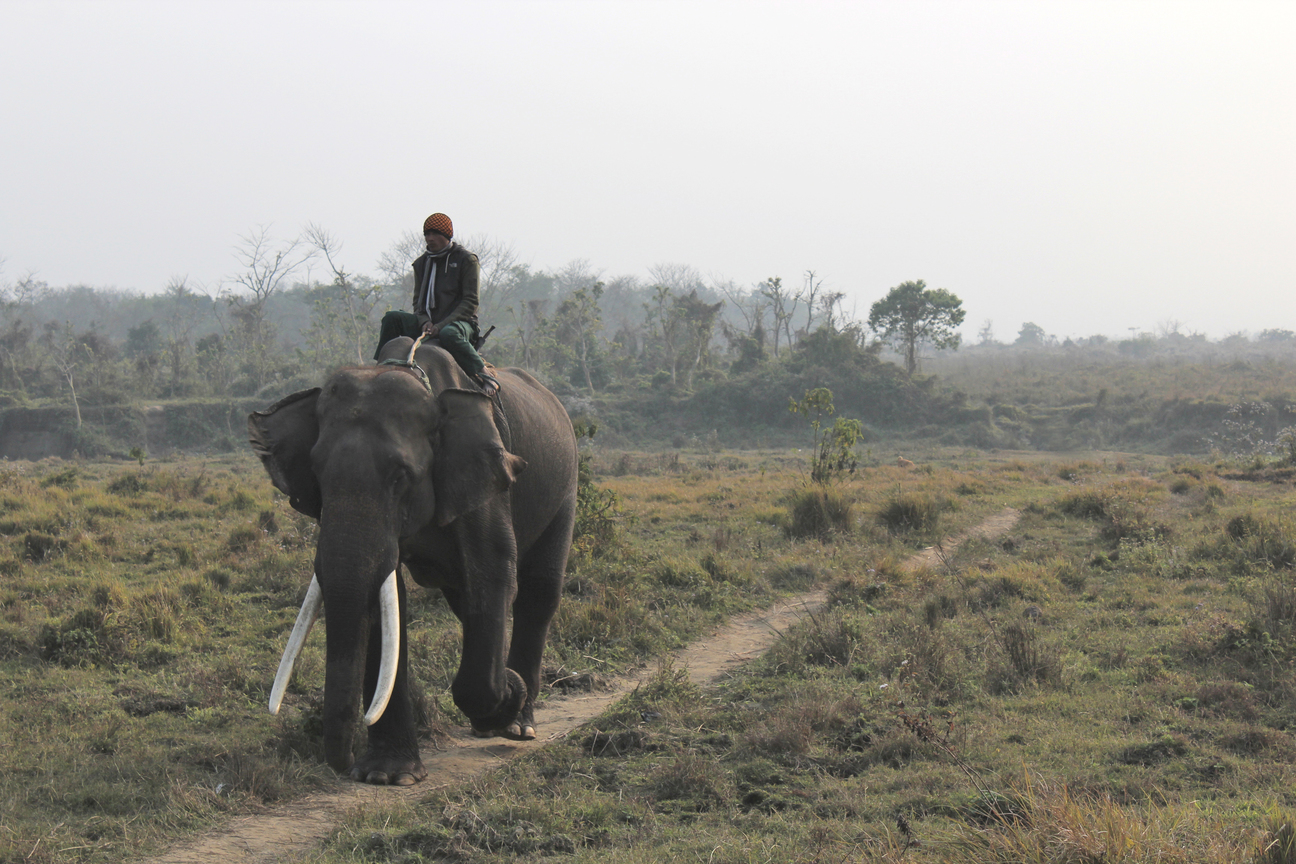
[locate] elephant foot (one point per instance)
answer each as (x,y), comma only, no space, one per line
(522,727)
(513,731)
(388,770)
(515,712)
(520,732)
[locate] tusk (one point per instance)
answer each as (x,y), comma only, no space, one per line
(389,606)
(306,619)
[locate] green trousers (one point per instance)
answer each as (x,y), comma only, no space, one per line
(454,338)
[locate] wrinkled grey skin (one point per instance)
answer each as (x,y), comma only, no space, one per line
(396,474)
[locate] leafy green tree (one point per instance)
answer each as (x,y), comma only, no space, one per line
(576,327)
(833,454)
(661,315)
(912,314)
(682,326)
(698,319)
(1031,335)
(144,338)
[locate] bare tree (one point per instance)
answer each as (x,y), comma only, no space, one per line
(266,265)
(358,296)
(1170,328)
(187,308)
(807,293)
(985,336)
(835,317)
(65,360)
(679,278)
(395,263)
(574,275)
(497,259)
(782,306)
(751,305)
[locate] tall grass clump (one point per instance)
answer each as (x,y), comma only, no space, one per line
(912,512)
(1123,508)
(818,512)
(1058,825)
(1266,542)
(1025,661)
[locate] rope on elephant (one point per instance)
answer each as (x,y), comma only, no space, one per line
(408,363)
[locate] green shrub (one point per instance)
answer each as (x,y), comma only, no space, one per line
(65,479)
(1263,541)
(39,546)
(676,573)
(598,517)
(90,636)
(242,539)
(128,484)
(1122,507)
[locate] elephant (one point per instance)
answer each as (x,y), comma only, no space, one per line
(409,463)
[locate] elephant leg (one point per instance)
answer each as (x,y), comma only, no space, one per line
(466,682)
(484,689)
(393,752)
(483,579)
(540,585)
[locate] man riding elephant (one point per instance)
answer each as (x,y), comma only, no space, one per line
(445,301)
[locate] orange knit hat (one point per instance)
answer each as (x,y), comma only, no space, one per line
(441,224)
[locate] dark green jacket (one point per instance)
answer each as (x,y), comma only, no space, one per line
(455,293)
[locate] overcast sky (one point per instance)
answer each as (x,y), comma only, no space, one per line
(1087,166)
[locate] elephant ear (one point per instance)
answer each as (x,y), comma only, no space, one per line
(283,435)
(470,464)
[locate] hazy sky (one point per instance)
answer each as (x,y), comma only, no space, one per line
(1088,166)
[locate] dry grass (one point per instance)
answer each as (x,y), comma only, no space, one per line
(1128,645)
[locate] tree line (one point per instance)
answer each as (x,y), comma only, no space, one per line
(292,310)
(266,326)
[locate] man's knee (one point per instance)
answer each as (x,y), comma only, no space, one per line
(455,335)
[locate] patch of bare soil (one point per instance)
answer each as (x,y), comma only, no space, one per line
(289,832)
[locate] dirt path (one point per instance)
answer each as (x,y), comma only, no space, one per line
(289,832)
(1000,523)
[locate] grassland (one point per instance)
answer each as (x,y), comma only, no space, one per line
(1109,681)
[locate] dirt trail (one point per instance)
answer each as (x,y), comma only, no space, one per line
(289,832)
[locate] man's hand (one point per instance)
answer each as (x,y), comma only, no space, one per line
(431,330)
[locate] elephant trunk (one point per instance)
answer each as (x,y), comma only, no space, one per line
(342,680)
(360,594)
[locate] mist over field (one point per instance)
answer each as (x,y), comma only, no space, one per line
(1093,168)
